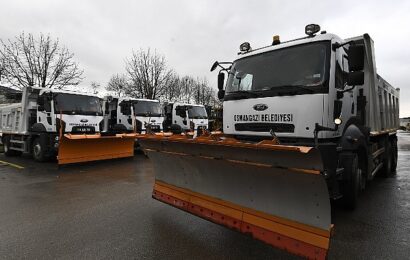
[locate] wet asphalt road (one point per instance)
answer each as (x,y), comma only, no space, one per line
(105,210)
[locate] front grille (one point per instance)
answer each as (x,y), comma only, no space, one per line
(265,127)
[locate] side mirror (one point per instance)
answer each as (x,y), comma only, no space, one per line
(337,108)
(214,66)
(221,80)
(356,57)
(221,94)
(185,122)
(107,108)
(355,78)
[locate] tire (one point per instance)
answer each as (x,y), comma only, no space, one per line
(7,150)
(119,128)
(386,170)
(38,151)
(351,186)
(176,129)
(394,154)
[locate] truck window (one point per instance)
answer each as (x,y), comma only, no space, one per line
(281,70)
(44,102)
(147,108)
(196,112)
(125,108)
(77,104)
(243,82)
(47,104)
(180,111)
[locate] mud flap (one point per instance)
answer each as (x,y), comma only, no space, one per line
(275,193)
(85,148)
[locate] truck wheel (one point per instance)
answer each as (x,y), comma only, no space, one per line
(351,186)
(176,129)
(7,150)
(394,155)
(38,151)
(387,160)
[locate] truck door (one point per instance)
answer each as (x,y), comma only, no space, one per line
(180,117)
(167,111)
(44,112)
(124,115)
(348,106)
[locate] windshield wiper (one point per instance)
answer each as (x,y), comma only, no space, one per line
(244,93)
(294,86)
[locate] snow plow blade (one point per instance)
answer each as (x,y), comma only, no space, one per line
(85,148)
(275,193)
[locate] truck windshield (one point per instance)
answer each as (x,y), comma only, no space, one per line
(196,112)
(147,108)
(77,104)
(294,70)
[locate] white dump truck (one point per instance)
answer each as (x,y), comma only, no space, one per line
(48,122)
(183,117)
(305,121)
(126,115)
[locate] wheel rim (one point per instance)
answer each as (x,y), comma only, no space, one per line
(37,150)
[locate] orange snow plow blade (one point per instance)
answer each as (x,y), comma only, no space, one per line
(276,193)
(84,148)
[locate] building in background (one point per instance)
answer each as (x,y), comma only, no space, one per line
(405,123)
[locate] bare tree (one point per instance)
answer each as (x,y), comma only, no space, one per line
(95,86)
(203,93)
(41,62)
(149,74)
(118,84)
(190,90)
(173,91)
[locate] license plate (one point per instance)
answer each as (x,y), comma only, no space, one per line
(83,129)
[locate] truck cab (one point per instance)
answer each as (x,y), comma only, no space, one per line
(75,112)
(186,117)
(35,123)
(267,90)
(125,114)
(319,91)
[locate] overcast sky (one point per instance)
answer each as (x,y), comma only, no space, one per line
(193,34)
